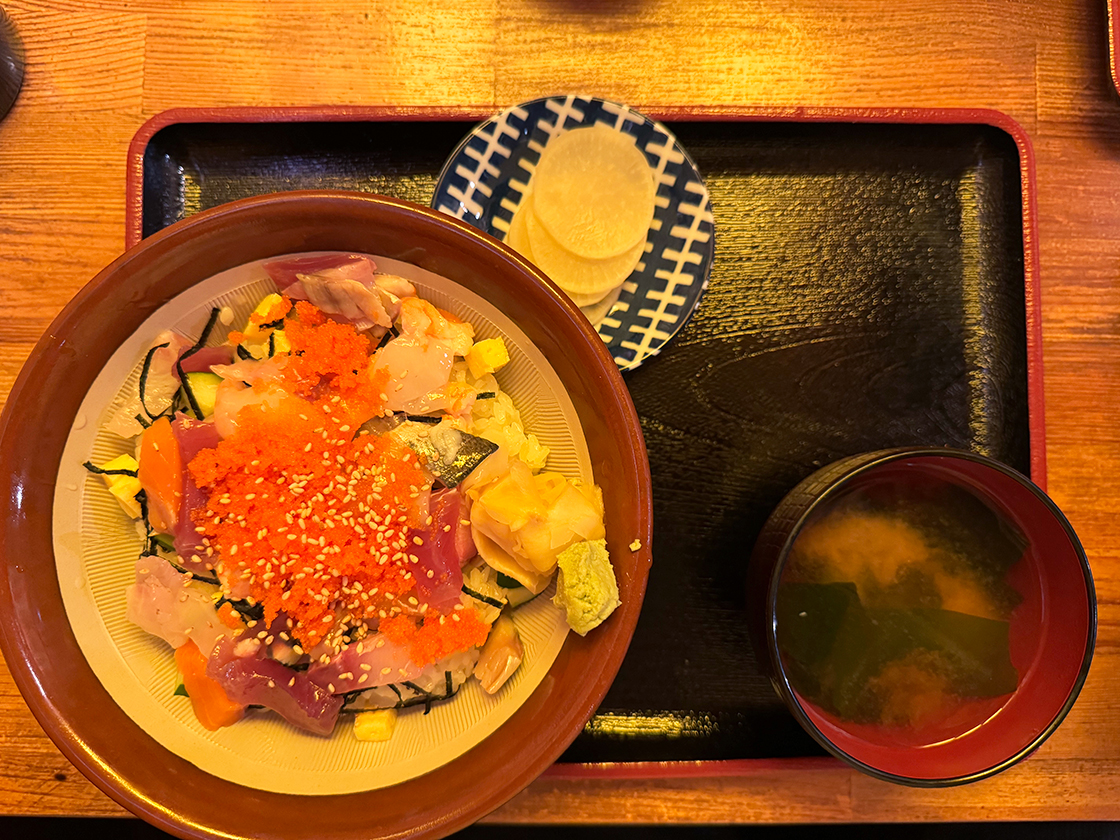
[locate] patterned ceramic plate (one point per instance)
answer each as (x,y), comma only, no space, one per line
(485,179)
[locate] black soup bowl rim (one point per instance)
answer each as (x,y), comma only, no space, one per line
(845,471)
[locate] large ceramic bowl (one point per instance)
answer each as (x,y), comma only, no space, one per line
(48,649)
(890,569)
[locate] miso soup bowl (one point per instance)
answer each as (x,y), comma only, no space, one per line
(1050,633)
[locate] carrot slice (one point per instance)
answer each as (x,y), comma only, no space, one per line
(211,704)
(161,474)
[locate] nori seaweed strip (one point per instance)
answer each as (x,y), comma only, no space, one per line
(427,700)
(250,612)
(273,325)
(348,697)
(420,418)
(447,692)
(272,344)
(213,581)
(390,334)
(142,500)
(202,339)
(423,697)
(242,353)
(155,543)
(188,392)
(144,377)
(486,599)
(142,420)
(485,395)
(198,345)
(98,471)
(163,541)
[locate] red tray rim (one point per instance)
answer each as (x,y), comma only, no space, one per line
(134,186)
(1113,45)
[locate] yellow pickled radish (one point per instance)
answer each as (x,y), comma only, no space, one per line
(518,236)
(593,191)
(573,273)
(591,299)
(596,312)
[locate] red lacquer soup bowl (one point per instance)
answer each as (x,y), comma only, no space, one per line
(928,615)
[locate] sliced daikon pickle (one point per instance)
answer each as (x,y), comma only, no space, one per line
(593,190)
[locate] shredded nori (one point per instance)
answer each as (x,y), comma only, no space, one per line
(486,599)
(390,334)
(198,345)
(164,541)
(161,542)
(249,612)
(425,698)
(142,500)
(99,471)
(192,401)
(485,395)
(211,579)
(144,377)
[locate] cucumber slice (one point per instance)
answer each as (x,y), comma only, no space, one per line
(493,588)
(203,387)
(519,595)
(516,594)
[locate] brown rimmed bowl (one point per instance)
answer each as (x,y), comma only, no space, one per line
(41,650)
(1050,632)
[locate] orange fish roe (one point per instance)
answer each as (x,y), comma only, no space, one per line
(278,310)
(439,636)
(327,351)
(319,522)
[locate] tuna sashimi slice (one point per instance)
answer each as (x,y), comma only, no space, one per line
(250,679)
(447,545)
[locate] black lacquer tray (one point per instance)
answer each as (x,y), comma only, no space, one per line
(873,287)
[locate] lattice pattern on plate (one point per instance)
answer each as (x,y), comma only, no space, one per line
(486,178)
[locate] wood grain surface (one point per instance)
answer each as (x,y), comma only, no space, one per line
(98,69)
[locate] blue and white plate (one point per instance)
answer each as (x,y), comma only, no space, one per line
(485,179)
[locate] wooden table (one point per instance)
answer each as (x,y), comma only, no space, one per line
(97,69)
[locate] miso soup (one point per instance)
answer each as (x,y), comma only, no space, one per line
(895,608)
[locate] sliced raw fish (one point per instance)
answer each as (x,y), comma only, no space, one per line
(368,663)
(168,604)
(292,694)
(447,545)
